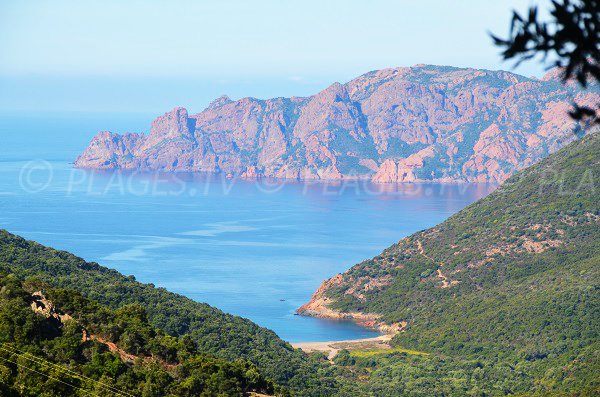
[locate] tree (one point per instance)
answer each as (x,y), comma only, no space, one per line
(571,36)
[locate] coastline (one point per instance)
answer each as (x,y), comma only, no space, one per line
(245,176)
(318,306)
(331,348)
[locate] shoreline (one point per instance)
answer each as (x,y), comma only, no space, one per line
(319,303)
(250,178)
(331,348)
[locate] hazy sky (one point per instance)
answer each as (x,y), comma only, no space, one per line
(153,55)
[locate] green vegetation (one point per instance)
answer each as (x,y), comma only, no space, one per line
(378,352)
(49,354)
(214,332)
(504,294)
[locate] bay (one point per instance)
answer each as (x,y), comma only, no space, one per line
(256,249)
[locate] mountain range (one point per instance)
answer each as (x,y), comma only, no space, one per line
(420,123)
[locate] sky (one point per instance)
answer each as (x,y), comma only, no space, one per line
(150,56)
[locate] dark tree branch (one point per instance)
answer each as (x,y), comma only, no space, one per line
(572,36)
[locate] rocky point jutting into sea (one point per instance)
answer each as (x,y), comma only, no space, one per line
(420,123)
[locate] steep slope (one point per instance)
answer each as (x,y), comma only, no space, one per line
(403,124)
(226,336)
(512,279)
(71,346)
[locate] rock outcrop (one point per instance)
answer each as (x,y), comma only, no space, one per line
(422,123)
(318,306)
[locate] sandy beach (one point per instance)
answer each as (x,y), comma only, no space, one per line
(331,348)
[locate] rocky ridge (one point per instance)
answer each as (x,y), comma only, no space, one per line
(420,123)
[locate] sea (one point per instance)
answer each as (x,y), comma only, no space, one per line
(256,249)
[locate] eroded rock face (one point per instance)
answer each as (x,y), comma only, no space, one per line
(423,123)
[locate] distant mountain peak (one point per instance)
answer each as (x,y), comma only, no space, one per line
(220,101)
(405,124)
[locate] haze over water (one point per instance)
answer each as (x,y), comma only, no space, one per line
(254,249)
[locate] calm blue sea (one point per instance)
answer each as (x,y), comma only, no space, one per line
(257,250)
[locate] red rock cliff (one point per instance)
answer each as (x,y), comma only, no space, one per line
(420,123)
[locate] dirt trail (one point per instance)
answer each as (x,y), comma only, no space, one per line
(126,357)
(441,276)
(445,283)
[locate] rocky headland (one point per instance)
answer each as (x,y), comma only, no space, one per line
(420,123)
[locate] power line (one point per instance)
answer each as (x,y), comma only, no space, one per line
(74,374)
(47,376)
(39,360)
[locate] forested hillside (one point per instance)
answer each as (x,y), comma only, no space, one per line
(504,295)
(58,343)
(226,336)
